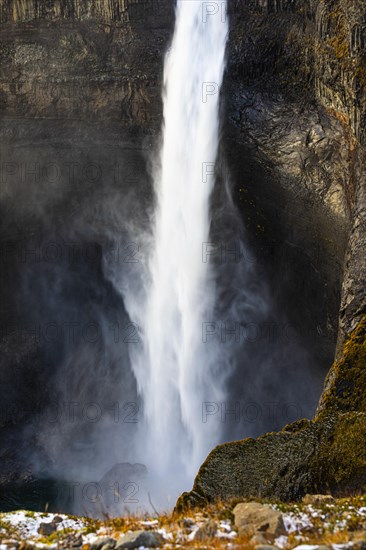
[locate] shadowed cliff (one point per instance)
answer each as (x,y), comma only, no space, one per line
(81,84)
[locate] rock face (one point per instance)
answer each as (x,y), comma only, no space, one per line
(85,78)
(340,86)
(118,10)
(113,76)
(92,99)
(306,59)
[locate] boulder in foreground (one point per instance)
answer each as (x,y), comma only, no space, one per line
(253,518)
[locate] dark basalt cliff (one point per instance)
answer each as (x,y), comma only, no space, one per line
(297,90)
(81,81)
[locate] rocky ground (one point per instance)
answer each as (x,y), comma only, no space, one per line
(317,523)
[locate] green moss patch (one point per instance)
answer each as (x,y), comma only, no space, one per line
(345,387)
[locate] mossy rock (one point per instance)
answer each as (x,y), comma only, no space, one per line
(343,454)
(345,386)
(327,454)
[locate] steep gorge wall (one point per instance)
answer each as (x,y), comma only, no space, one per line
(340,82)
(341,61)
(298,82)
(102,64)
(80,88)
(86,76)
(107,10)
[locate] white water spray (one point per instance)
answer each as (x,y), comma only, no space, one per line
(177,372)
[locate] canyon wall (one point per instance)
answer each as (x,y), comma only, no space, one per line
(81,84)
(297,76)
(104,10)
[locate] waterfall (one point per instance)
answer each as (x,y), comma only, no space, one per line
(176,371)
